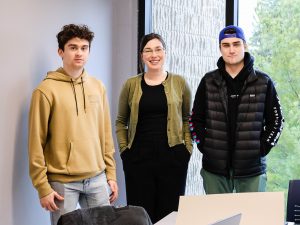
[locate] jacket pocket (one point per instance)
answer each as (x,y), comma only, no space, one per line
(124,154)
(181,155)
(265,148)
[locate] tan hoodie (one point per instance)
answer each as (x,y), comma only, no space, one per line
(70,136)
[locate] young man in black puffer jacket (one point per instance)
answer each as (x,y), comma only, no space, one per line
(236,119)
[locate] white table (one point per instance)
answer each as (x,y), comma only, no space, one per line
(168,220)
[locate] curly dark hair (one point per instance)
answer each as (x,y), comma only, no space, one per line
(74,31)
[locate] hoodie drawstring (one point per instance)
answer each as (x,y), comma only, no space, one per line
(75,97)
(83,93)
(74,92)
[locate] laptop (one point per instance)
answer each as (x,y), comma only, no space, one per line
(232,220)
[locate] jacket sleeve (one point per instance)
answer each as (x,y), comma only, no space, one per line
(122,118)
(198,116)
(273,120)
(186,107)
(37,134)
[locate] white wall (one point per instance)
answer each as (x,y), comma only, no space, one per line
(28,50)
(124,64)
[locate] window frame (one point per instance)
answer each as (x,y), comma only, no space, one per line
(145,20)
(231,13)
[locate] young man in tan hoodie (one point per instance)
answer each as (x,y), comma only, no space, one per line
(70,139)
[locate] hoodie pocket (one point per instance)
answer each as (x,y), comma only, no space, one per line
(85,156)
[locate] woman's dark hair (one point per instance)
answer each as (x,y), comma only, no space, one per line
(73,31)
(148,37)
(145,39)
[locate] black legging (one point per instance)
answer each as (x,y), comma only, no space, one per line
(155,176)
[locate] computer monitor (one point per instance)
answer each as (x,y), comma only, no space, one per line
(293,202)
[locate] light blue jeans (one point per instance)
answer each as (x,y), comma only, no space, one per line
(88,193)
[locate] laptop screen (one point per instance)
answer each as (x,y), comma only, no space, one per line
(232,220)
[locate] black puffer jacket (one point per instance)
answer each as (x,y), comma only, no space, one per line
(258,124)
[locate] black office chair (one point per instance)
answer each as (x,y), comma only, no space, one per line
(106,215)
(293,202)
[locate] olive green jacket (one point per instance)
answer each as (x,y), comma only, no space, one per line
(178,98)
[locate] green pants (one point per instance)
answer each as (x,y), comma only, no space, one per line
(218,184)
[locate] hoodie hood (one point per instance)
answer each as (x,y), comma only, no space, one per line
(62,76)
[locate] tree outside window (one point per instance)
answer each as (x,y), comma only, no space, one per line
(275,44)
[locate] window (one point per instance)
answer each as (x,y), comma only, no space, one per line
(272,27)
(272,31)
(190,29)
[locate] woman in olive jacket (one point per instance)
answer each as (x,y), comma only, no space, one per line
(153,133)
